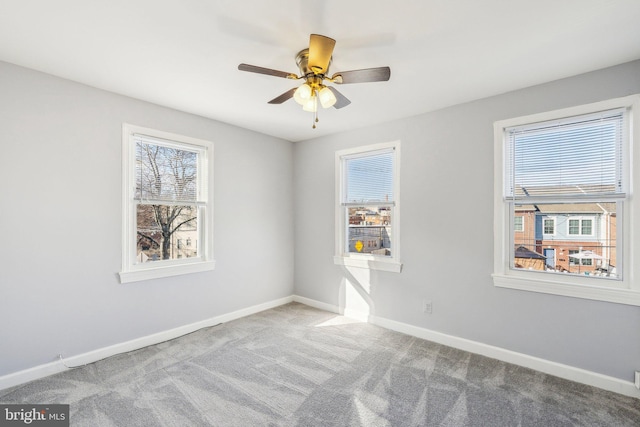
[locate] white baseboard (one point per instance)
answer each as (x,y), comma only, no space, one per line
(605,382)
(567,372)
(317,304)
(51,368)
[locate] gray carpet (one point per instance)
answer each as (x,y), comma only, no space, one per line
(298,366)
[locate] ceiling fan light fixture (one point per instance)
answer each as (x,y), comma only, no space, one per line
(302,94)
(311,104)
(313,63)
(327,98)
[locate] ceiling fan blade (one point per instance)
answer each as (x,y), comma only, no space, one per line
(320,51)
(342,101)
(380,74)
(284,97)
(267,71)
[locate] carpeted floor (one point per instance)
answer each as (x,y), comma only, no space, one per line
(298,366)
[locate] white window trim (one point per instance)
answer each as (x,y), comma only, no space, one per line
(624,291)
(521,230)
(368,261)
(552,219)
(580,261)
(581,218)
(132,272)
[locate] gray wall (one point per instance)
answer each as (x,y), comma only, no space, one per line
(447,234)
(60,227)
(60,222)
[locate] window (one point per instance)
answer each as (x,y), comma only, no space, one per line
(574,226)
(367,207)
(580,227)
(578,261)
(518,223)
(167,191)
(571,170)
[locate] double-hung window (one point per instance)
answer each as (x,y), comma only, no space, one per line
(167,191)
(367,207)
(580,226)
(571,170)
(549,226)
(518,223)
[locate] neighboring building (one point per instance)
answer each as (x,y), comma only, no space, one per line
(528,259)
(370,230)
(558,231)
(183,242)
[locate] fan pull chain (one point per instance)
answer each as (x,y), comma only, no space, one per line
(315,113)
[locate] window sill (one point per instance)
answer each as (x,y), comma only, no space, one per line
(577,290)
(165,271)
(371,263)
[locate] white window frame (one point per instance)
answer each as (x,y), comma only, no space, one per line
(133,271)
(581,219)
(580,261)
(521,228)
(342,255)
(623,291)
(553,220)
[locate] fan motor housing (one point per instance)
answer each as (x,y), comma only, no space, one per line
(302,61)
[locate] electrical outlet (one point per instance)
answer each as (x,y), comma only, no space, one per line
(427,307)
(638,380)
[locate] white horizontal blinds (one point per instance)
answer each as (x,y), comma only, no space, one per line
(165,172)
(369,178)
(576,157)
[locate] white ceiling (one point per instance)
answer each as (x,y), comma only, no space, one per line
(184,53)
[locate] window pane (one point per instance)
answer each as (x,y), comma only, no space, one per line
(165,173)
(369,230)
(518,224)
(574,226)
(370,178)
(585,246)
(577,156)
(162,231)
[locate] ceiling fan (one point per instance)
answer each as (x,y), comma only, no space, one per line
(314,63)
